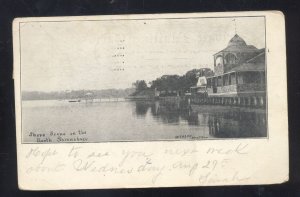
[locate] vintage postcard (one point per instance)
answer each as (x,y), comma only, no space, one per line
(161,100)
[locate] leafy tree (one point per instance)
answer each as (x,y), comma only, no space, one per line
(140,85)
(179,83)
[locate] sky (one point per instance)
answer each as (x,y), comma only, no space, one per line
(95,55)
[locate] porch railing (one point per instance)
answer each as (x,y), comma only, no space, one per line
(238,88)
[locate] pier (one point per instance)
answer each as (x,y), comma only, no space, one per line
(231,101)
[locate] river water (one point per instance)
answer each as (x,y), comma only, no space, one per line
(105,121)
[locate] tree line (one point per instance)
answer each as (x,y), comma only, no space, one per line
(174,83)
(76,94)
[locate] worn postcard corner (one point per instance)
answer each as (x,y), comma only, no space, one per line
(165,100)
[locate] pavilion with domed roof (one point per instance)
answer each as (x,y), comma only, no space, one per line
(239,73)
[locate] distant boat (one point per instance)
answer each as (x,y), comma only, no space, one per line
(74,101)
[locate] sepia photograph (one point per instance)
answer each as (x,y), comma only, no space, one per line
(140,79)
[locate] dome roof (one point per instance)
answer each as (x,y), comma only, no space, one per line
(237,41)
(238,44)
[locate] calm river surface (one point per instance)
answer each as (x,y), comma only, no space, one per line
(62,121)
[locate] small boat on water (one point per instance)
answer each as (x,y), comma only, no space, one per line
(74,101)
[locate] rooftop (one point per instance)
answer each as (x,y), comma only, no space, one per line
(237,41)
(238,44)
(248,67)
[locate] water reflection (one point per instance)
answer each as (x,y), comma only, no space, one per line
(221,122)
(141,108)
